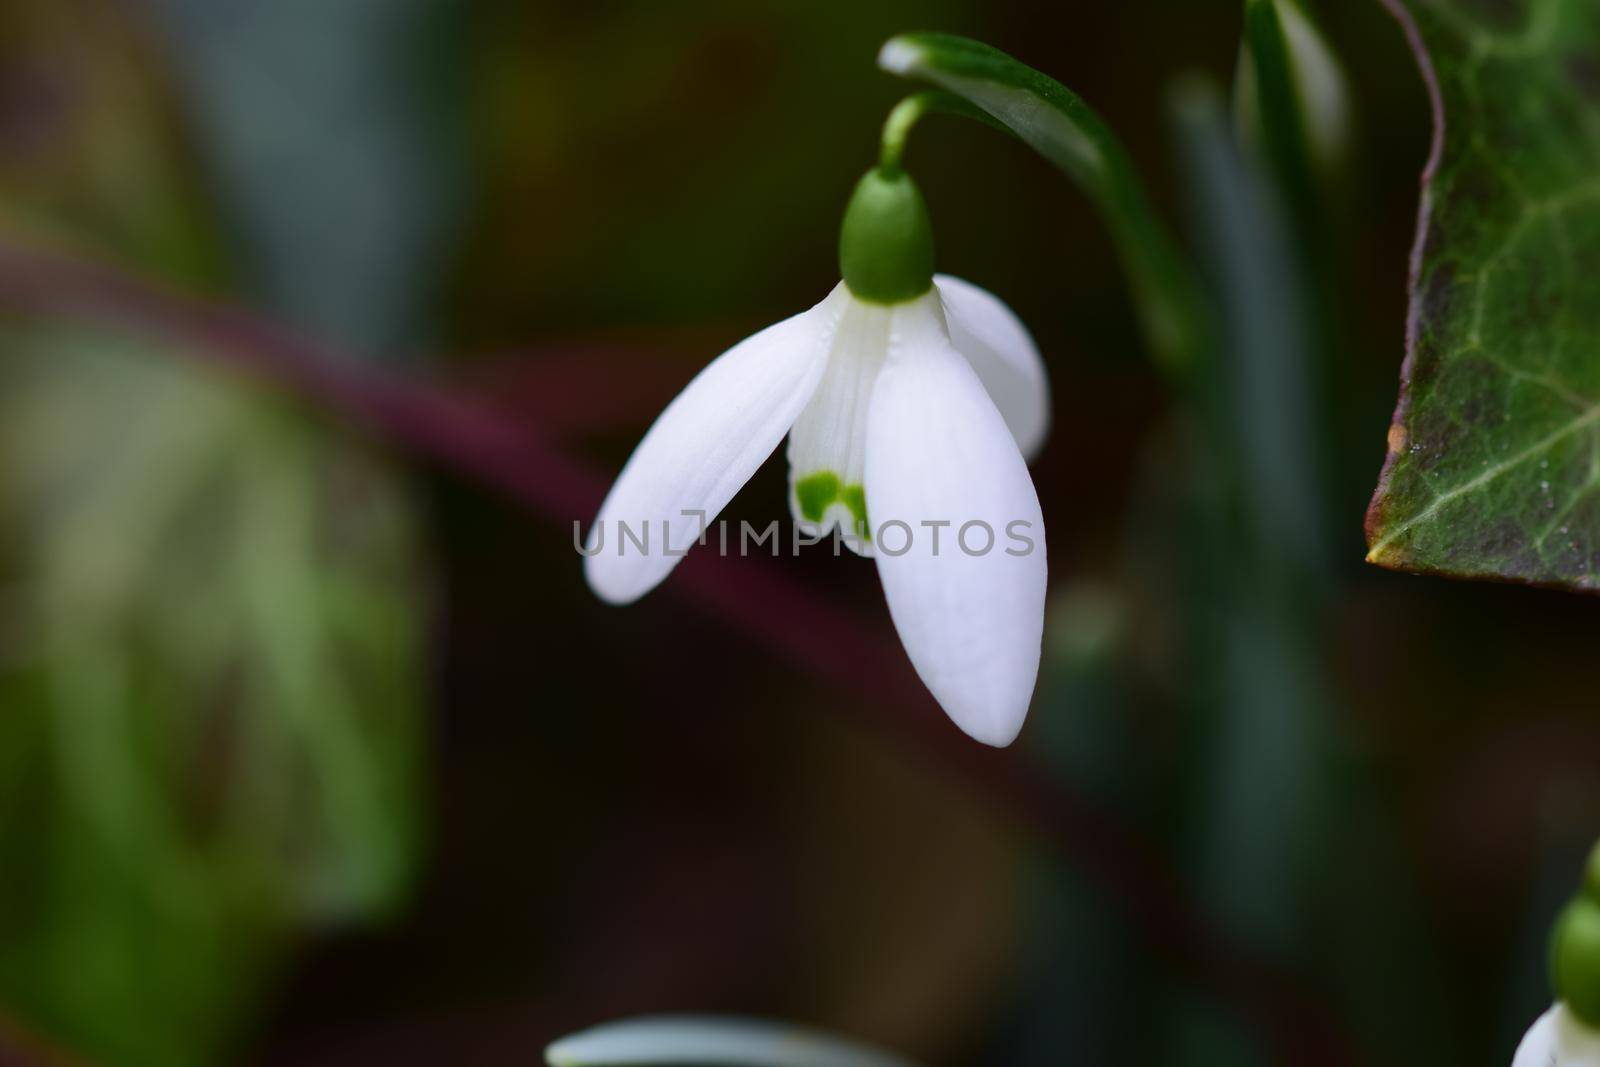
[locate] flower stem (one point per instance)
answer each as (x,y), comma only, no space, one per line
(1055,122)
(908,112)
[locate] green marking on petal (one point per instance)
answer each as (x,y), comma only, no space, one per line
(816,493)
(855,498)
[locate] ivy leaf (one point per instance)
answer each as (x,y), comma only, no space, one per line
(211,683)
(1493,469)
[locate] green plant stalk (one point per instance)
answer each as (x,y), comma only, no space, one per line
(1283,131)
(908,112)
(1055,122)
(1259,627)
(1287,152)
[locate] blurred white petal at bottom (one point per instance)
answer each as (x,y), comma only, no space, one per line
(711,1041)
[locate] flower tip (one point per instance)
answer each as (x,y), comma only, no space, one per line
(559,1054)
(991,711)
(613,584)
(997,739)
(997,728)
(898,55)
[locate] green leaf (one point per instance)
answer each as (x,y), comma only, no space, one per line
(1291,95)
(1255,810)
(1261,295)
(1493,468)
(1273,102)
(711,1041)
(328,130)
(212,719)
(1057,124)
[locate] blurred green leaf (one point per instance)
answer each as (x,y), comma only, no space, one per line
(90,153)
(1259,694)
(1294,855)
(1262,403)
(211,729)
(1493,468)
(711,1041)
(1083,972)
(330,126)
(1290,94)
(1263,694)
(1057,124)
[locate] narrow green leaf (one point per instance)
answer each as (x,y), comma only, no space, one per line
(1493,468)
(1279,109)
(1265,363)
(1256,811)
(711,1041)
(326,130)
(1055,122)
(1291,93)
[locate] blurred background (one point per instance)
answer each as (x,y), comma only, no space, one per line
(321,321)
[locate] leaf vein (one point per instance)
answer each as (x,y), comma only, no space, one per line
(1543,445)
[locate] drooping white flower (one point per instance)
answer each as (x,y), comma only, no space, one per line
(1568,1035)
(1559,1039)
(910,402)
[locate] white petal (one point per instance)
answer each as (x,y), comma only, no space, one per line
(1559,1039)
(1002,352)
(706,1040)
(703,447)
(1538,1046)
(938,451)
(828,445)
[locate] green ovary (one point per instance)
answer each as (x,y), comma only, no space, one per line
(820,491)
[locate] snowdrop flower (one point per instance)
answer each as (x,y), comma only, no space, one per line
(1559,1039)
(909,401)
(1568,1035)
